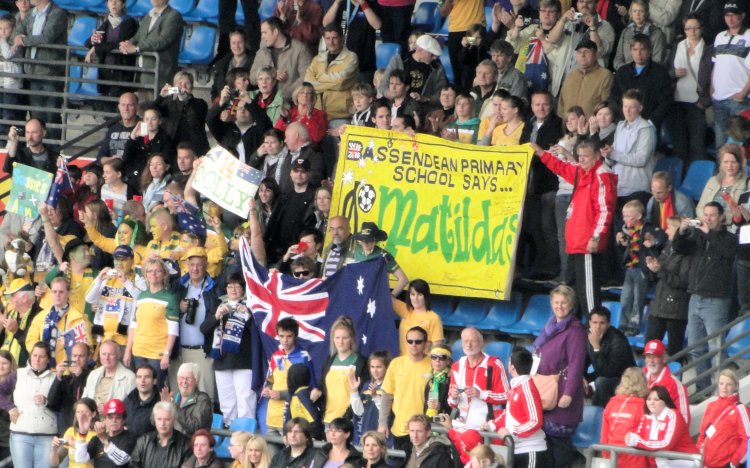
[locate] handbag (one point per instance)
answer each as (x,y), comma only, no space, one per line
(547,386)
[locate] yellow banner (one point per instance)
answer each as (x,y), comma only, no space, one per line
(452,211)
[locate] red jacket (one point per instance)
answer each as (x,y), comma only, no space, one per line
(316,123)
(592,204)
(668,431)
(623,414)
(494,393)
(523,416)
(676,390)
(731,423)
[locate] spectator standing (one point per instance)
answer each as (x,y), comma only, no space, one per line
(300,145)
(304,112)
(509,77)
(648,77)
(665,201)
(436,390)
(710,14)
(113,143)
(68,386)
(507,130)
(184,115)
(730,80)
(160,32)
(143,143)
(74,443)
(242,136)
(658,374)
(590,217)
(692,67)
(561,348)
(7,52)
(587,85)
(302,20)
(227,22)
(669,306)
(417,311)
(396,16)
(110,380)
(240,57)
(367,249)
(21,310)
(359,21)
(712,249)
(8,377)
(623,414)
(640,23)
(287,55)
(485,81)
(339,251)
(268,96)
(544,128)
(140,401)
(426,72)
(35,152)
(461,15)
(333,73)
(728,184)
(46,24)
(608,353)
(463,126)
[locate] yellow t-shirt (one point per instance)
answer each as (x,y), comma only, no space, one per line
(405,380)
(71,432)
(275,411)
(337,387)
(297,409)
(429,320)
(153,312)
(499,138)
(466,13)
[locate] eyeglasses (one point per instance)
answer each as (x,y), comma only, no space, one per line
(436,357)
(300,274)
(415,342)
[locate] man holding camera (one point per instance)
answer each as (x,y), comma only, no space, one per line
(712,249)
(34,153)
(199,296)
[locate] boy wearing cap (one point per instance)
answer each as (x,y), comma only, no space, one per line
(425,69)
(657,373)
(21,310)
(113,444)
(115,291)
(367,249)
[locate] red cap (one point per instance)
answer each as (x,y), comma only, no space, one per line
(114,406)
(655,347)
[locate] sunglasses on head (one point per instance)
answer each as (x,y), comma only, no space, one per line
(438,357)
(417,342)
(300,274)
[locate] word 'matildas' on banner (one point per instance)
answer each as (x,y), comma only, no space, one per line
(452,211)
(227,181)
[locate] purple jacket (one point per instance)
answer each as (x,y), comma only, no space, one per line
(6,392)
(566,349)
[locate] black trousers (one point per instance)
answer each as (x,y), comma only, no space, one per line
(396,25)
(658,326)
(530,460)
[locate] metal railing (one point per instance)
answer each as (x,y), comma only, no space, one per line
(719,357)
(614,450)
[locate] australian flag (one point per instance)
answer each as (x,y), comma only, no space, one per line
(537,66)
(61,185)
(75,335)
(359,291)
(188,219)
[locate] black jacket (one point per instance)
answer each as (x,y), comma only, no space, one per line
(62,397)
(185,121)
(228,135)
(137,152)
(743,250)
(541,179)
(439,454)
(671,299)
(139,412)
(354,456)
(317,168)
(246,358)
(310,457)
(23,156)
(125,441)
(712,257)
(149,453)
(613,357)
(655,84)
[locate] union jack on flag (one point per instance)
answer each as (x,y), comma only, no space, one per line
(537,66)
(75,335)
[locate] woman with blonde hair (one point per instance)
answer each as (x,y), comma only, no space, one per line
(624,412)
(731,181)
(343,365)
(237,443)
(304,112)
(373,450)
(482,456)
(256,453)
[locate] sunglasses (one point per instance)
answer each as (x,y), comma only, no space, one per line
(436,357)
(300,274)
(416,342)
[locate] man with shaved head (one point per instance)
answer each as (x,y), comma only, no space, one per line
(297,141)
(478,382)
(113,144)
(339,252)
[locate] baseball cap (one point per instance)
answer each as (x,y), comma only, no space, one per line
(123,251)
(114,406)
(732,7)
(430,44)
(19,284)
(301,163)
(196,252)
(655,347)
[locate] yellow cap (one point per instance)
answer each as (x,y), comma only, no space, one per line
(196,252)
(19,284)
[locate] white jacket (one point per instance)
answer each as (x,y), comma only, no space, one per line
(123,383)
(33,419)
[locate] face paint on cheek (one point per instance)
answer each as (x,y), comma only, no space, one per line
(156,231)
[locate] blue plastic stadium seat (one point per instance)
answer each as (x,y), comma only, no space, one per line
(237,424)
(424,17)
(266,9)
(469,311)
(74,72)
(384,52)
(503,313)
(77,5)
(736,348)
(183,6)
(615,308)
(673,166)
(639,341)
(457,351)
(695,180)
(488,17)
(239,15)
(665,137)
(442,305)
(83,89)
(441,27)
(445,59)
(537,312)
(81,30)
(199,46)
(590,429)
(206,11)
(675,368)
(139,8)
(499,349)
(217,422)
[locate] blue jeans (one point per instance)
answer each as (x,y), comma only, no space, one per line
(634,290)
(705,316)
(30,451)
(161,374)
(722,111)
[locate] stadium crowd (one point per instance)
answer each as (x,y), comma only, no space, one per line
(125,325)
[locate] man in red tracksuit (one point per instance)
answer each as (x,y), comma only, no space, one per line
(590,215)
(657,373)
(522,418)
